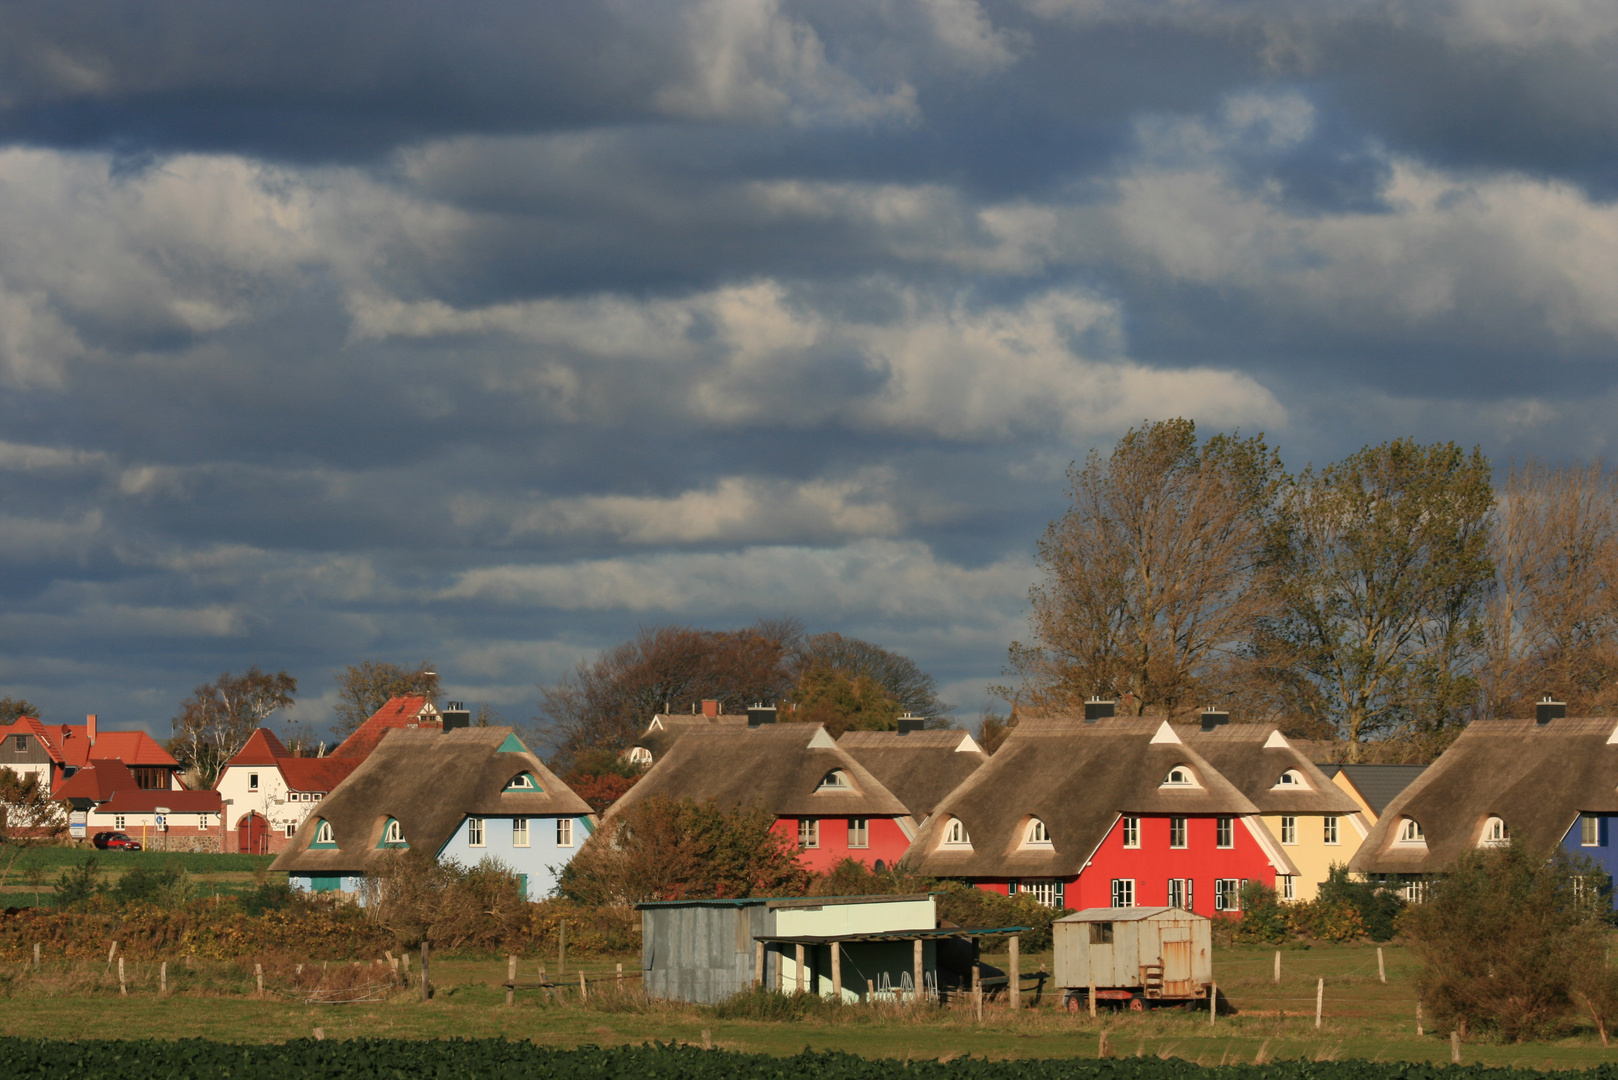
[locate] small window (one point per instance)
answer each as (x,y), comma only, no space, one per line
(564,832)
(1101,933)
(1227,894)
(20,742)
(323,834)
(1225,833)
(1289,830)
(522,782)
(519,832)
(1328,828)
(1179,776)
(836,780)
(1589,830)
(202,821)
(1180,893)
(291,829)
(118,821)
(474,832)
(393,834)
(955,834)
(1177,832)
(252,781)
(1292,778)
(859,832)
(1288,892)
(1037,834)
(808,832)
(1044,892)
(1131,838)
(639,755)
(1495,833)
(1410,832)
(1123,892)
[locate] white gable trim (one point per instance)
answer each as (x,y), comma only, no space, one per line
(1357,820)
(1277,856)
(968,744)
(1277,741)
(1613,738)
(655,725)
(822,741)
(1165,734)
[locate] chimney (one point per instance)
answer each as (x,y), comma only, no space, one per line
(1549,710)
(911,722)
(90,728)
(1212,718)
(1096,709)
(710,707)
(756,714)
(456,716)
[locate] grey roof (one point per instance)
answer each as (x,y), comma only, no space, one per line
(1253,757)
(1077,778)
(1377,784)
(430,780)
(1536,778)
(920,767)
(776,766)
(1121,914)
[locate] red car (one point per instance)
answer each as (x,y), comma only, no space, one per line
(116,840)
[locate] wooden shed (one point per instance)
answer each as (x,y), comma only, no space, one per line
(1135,954)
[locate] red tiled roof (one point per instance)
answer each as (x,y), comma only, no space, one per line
(398,713)
(131,748)
(97,782)
(263,748)
(316,774)
(133,800)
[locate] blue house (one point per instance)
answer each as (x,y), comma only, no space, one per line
(1545,783)
(467,794)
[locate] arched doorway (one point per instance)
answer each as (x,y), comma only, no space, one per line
(253,834)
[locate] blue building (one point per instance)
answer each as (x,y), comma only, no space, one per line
(466,794)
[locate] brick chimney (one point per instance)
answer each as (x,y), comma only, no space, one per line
(710,707)
(90,728)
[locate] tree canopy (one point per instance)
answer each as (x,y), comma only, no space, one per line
(216,721)
(365,687)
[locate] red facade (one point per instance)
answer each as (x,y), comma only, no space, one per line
(886,841)
(1153,862)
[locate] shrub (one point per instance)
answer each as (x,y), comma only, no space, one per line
(1264,919)
(79,884)
(1377,908)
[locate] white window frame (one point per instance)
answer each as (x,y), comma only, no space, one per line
(252,781)
(955,834)
(1179,893)
(1495,832)
(1289,830)
(836,780)
(1227,894)
(1043,892)
(291,831)
(1123,892)
(1292,778)
(1589,830)
(475,835)
(1179,833)
(859,832)
(1037,834)
(202,823)
(808,833)
(324,834)
(564,832)
(1411,832)
(118,822)
(519,832)
(1330,830)
(1224,832)
(1288,889)
(393,832)
(1131,832)
(1179,776)
(639,755)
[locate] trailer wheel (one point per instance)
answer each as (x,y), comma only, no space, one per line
(1071,1003)
(1137,1005)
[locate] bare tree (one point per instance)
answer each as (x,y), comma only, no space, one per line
(365,687)
(1553,617)
(1151,576)
(219,717)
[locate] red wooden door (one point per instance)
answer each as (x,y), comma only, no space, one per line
(253,834)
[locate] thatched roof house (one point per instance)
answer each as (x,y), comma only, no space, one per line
(664,728)
(1264,766)
(919,767)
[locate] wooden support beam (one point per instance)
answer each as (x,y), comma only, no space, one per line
(799,959)
(837,971)
(1014,986)
(758,965)
(920,975)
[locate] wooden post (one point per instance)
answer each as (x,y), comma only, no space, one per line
(1102,1049)
(111,953)
(1278,967)
(1320,1000)
(799,959)
(258,974)
(561,948)
(36,956)
(1419,1032)
(620,975)
(511,979)
(122,989)
(163,977)
(920,975)
(1092,998)
(583,993)
(1455,1047)
(977,990)
(836,971)
(758,965)
(426,969)
(1381,969)
(1213,1001)
(1014,985)
(870,992)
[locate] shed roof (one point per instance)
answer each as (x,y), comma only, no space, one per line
(1078,778)
(920,767)
(1536,778)
(1253,757)
(1377,784)
(429,780)
(776,766)
(1125,914)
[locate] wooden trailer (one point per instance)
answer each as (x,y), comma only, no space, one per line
(1133,956)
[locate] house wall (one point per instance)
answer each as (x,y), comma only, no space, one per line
(180,831)
(1311,854)
(1348,788)
(1604,853)
(30,758)
(541,862)
(270,801)
(703,953)
(888,842)
(344,883)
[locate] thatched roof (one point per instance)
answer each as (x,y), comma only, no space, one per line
(777,766)
(664,728)
(1077,778)
(1536,778)
(430,780)
(920,767)
(1253,757)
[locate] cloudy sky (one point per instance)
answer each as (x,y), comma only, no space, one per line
(487,333)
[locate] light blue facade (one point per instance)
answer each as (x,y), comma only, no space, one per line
(539,863)
(318,883)
(1602,851)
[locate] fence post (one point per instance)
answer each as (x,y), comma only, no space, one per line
(561,948)
(511,979)
(36,956)
(1320,1000)
(870,992)
(1014,985)
(1419,1032)
(111,952)
(583,993)
(1455,1047)
(920,975)
(258,973)
(620,975)
(798,959)
(1092,998)
(122,989)
(1213,1001)
(758,965)
(836,971)
(1278,967)
(1381,968)
(426,962)
(163,977)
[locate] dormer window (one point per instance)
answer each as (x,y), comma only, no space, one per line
(1036,835)
(1179,776)
(639,755)
(522,782)
(1410,832)
(955,834)
(836,780)
(324,838)
(392,835)
(1495,833)
(1292,778)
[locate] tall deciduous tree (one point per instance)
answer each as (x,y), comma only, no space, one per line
(891,674)
(1553,618)
(219,717)
(1381,564)
(1151,576)
(365,687)
(12,708)
(827,697)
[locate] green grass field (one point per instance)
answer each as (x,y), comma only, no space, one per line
(1364,1018)
(224,874)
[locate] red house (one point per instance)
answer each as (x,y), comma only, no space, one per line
(1108,813)
(823,800)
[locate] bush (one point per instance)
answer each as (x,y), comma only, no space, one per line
(1377,908)
(1264,920)
(79,884)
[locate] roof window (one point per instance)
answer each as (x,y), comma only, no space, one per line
(836,780)
(324,838)
(1495,833)
(1036,834)
(955,834)
(1292,778)
(522,782)
(1179,776)
(1410,832)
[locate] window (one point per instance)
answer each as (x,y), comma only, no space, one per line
(1329,829)
(1131,838)
(522,782)
(323,834)
(955,834)
(859,832)
(808,832)
(1179,776)
(1101,933)
(1176,832)
(564,832)
(1227,894)
(1287,890)
(1292,778)
(1495,833)
(20,742)
(202,821)
(1410,832)
(1225,832)
(519,832)
(393,834)
(1037,835)
(252,781)
(1180,893)
(639,755)
(474,831)
(1589,830)
(291,829)
(118,821)
(1414,892)
(1289,830)
(1042,891)
(836,780)
(1123,892)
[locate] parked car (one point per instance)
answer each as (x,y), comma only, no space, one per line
(116,840)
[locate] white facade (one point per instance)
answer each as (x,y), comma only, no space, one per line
(262,789)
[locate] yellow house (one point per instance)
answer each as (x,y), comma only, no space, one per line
(1372,787)
(1316,823)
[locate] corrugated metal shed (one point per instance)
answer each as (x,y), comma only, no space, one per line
(1140,952)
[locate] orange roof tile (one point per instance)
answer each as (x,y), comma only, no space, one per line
(398,713)
(262,748)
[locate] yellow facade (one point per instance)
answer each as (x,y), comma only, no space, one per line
(1342,781)
(1306,843)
